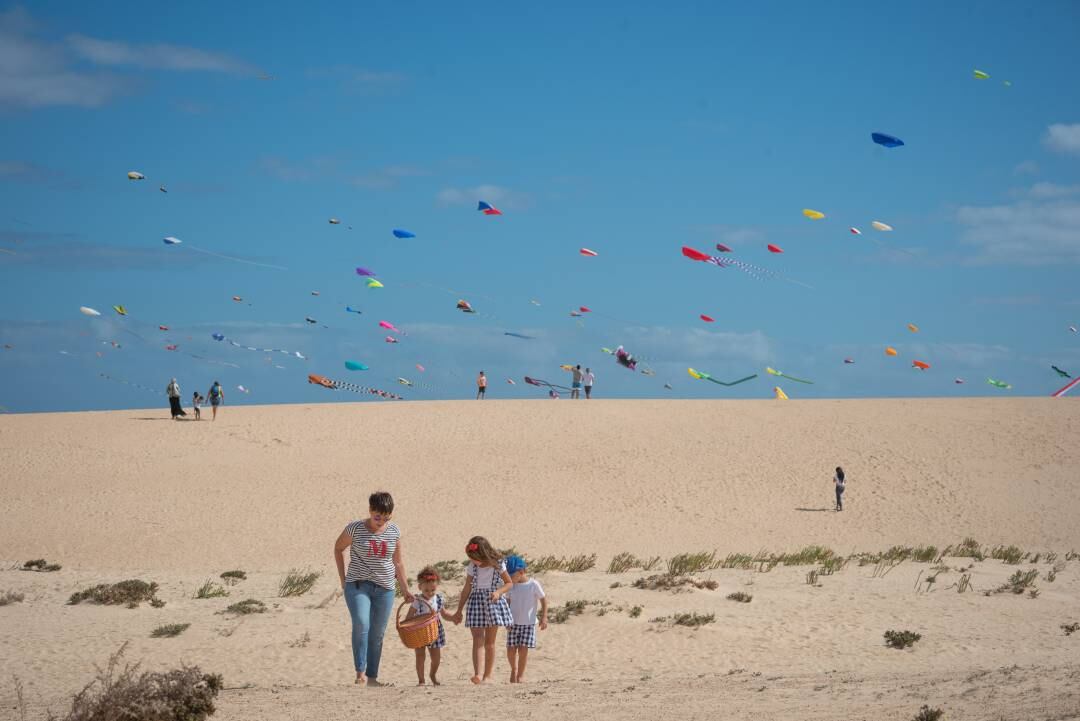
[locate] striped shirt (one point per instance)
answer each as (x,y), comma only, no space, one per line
(371,557)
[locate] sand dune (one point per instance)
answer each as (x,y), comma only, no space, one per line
(131,494)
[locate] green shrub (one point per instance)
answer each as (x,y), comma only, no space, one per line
(901,639)
(574,564)
(297,583)
(246,607)
(169,630)
(210,590)
(1009,554)
(9,597)
(628,562)
(668,582)
(40,565)
(129,593)
(635,611)
(693,620)
(929,714)
(740,597)
(687,563)
(231,578)
(449,570)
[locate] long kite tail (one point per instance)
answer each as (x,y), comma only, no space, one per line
(238,260)
(732,383)
(1065,389)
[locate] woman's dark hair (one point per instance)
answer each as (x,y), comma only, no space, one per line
(381,502)
(480,549)
(840,473)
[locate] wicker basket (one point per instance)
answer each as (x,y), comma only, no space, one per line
(418,631)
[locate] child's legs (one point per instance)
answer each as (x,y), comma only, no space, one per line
(511,656)
(436,658)
(477,649)
(420,655)
(522,658)
(490,635)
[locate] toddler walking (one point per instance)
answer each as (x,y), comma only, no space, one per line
(427,601)
(195,401)
(486,582)
(524,595)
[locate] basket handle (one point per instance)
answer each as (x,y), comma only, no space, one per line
(397,617)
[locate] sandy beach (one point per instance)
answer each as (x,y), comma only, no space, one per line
(131,494)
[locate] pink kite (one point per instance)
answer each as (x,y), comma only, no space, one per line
(583,309)
(775,248)
(855,231)
(419,367)
(694,254)
(723,248)
(390,339)
(388,326)
(590,253)
(171,347)
(707,318)
(163,327)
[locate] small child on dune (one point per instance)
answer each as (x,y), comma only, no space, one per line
(428,600)
(486,582)
(195,401)
(524,596)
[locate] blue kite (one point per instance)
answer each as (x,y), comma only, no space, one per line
(889,141)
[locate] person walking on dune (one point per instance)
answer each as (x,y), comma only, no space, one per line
(173,391)
(589,379)
(575,384)
(839,482)
(217,397)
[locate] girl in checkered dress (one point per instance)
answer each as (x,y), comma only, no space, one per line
(428,600)
(486,583)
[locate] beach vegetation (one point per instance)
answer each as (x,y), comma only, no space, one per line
(635,611)
(624,562)
(968,548)
(687,563)
(669,582)
(169,630)
(901,639)
(1070,628)
(574,564)
(41,565)
(831,565)
(297,583)
(246,607)
(449,570)
(231,578)
(1018,583)
(573,608)
(209,589)
(929,714)
(812,578)
(740,597)
(184,694)
(1008,554)
(129,593)
(301,642)
(693,620)
(9,597)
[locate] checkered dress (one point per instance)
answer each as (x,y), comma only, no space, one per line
(421,606)
(480,612)
(521,636)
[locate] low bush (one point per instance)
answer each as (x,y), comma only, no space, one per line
(210,590)
(40,565)
(169,630)
(129,593)
(740,597)
(246,607)
(9,597)
(693,620)
(929,714)
(669,582)
(574,564)
(901,639)
(231,578)
(628,562)
(687,563)
(297,583)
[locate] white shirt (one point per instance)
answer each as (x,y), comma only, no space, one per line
(589,378)
(523,600)
(483,578)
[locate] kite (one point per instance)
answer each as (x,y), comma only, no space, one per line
(242,389)
(1065,388)
(998,384)
(583,309)
(238,299)
(511,381)
(566,367)
(419,367)
(388,326)
(120,310)
(980,75)
(310,320)
(315,293)
(162,189)
(920,365)
(781,374)
(163,327)
(648,372)
(958,381)
(390,339)
(723,248)
(707,318)
(404,381)
(878,225)
(350,309)
(607,350)
(779,393)
(488,208)
(170,240)
(624,359)
(135,175)
(365,271)
(575,314)
(888,141)
(399,233)
(172,347)
(89,311)
(354,366)
(813,214)
(535,302)
(220,337)
(372,283)
(589,253)
(913,328)
(464,307)
(543,383)
(1072,328)
(719,262)
(668,386)
(519,335)
(855,231)
(849,361)
(701,376)
(775,248)
(334,221)
(342,386)
(1060,372)
(891,351)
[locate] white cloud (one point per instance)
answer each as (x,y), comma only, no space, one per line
(1063,138)
(364,81)
(501,197)
(1028,167)
(1040,229)
(158,56)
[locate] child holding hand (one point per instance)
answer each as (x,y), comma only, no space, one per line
(427,601)
(524,596)
(486,583)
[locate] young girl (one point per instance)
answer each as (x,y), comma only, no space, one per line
(524,597)
(428,581)
(195,401)
(838,479)
(486,582)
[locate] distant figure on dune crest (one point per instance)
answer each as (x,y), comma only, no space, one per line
(481,386)
(575,385)
(375,562)
(486,584)
(589,378)
(217,397)
(173,391)
(838,479)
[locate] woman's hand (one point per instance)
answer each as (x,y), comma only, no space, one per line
(408,596)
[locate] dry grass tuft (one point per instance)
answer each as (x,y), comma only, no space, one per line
(297,583)
(249,606)
(210,590)
(669,582)
(129,593)
(449,570)
(740,597)
(1018,583)
(928,714)
(624,562)
(231,578)
(184,694)
(574,564)
(901,639)
(687,563)
(170,630)
(574,608)
(40,565)
(1009,554)
(9,597)
(693,620)
(636,611)
(301,642)
(1070,628)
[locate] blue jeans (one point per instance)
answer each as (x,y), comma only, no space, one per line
(370,606)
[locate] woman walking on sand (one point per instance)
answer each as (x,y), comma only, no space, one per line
(839,482)
(217,397)
(375,562)
(173,391)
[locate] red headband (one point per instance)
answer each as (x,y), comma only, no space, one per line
(472,547)
(429,577)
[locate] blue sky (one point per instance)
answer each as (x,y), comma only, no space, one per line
(631,133)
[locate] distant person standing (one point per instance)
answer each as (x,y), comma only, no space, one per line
(481,386)
(575,384)
(589,378)
(217,397)
(839,482)
(173,391)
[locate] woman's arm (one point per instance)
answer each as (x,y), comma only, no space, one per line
(340,546)
(505,588)
(399,570)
